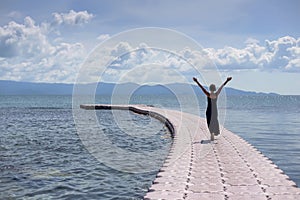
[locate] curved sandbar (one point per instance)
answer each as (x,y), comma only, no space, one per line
(229,168)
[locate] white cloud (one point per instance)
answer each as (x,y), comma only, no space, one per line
(103,37)
(23,39)
(281,54)
(152,74)
(143,64)
(121,49)
(29,53)
(251,41)
(14,14)
(32,52)
(72,18)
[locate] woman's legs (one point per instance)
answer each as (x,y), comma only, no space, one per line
(212,136)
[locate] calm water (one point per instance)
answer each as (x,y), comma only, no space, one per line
(271,124)
(41,155)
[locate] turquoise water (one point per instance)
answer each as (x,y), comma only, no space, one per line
(42,157)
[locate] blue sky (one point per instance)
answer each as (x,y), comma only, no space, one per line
(257,42)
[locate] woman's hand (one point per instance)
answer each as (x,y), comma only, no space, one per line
(229,79)
(195,79)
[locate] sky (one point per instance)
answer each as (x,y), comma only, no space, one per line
(257,42)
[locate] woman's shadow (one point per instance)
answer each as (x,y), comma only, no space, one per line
(203,142)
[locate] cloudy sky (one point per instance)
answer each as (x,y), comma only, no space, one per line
(255,41)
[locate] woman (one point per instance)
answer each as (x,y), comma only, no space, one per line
(212,110)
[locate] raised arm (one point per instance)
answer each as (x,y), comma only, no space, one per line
(221,87)
(203,89)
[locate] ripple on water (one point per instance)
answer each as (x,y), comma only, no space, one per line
(42,157)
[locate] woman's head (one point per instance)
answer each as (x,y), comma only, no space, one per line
(212,87)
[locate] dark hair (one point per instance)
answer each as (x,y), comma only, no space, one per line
(212,87)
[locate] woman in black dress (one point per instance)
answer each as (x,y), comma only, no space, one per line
(212,110)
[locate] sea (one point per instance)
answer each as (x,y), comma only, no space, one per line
(42,155)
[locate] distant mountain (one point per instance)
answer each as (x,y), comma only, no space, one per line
(29,88)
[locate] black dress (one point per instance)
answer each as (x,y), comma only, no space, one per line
(212,116)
